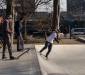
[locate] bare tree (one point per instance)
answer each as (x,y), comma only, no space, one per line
(78,6)
(10,11)
(26,8)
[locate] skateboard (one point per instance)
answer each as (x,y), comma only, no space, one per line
(23,53)
(42,55)
(21,42)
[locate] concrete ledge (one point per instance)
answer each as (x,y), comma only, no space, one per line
(81,39)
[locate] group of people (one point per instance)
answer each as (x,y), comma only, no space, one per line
(7,32)
(6,35)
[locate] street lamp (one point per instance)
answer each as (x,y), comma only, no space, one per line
(75,26)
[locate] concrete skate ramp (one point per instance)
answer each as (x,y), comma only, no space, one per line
(63,60)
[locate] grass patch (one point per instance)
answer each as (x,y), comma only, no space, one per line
(30,41)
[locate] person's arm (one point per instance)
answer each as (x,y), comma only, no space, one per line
(56,40)
(45,35)
(8,28)
(18,29)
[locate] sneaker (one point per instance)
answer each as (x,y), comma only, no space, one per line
(12,58)
(40,53)
(46,57)
(19,50)
(4,58)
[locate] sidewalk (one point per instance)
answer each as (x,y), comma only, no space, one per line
(26,65)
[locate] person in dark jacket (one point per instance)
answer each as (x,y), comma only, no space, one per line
(6,35)
(65,32)
(18,31)
(49,42)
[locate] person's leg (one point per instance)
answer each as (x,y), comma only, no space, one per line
(46,45)
(9,46)
(17,43)
(4,48)
(49,49)
(64,34)
(21,43)
(10,49)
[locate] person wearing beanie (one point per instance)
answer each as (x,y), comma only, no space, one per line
(6,35)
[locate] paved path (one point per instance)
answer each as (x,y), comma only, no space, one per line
(26,65)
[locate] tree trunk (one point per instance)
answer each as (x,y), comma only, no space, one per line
(10,11)
(9,7)
(24,32)
(56,14)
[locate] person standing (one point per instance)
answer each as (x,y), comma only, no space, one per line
(18,32)
(6,35)
(49,42)
(65,32)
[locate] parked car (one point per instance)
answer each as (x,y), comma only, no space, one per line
(78,31)
(41,34)
(31,30)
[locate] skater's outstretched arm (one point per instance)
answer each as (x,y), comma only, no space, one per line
(56,40)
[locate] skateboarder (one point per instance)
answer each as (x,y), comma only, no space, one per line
(49,42)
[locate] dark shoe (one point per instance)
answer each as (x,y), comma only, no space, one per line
(19,50)
(4,58)
(40,53)
(46,57)
(12,58)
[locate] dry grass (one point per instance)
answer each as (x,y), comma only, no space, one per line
(42,41)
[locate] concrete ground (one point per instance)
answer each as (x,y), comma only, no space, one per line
(63,60)
(27,64)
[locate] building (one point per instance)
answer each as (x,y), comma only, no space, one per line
(76,8)
(67,16)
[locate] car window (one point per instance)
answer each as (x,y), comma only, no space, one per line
(84,30)
(78,30)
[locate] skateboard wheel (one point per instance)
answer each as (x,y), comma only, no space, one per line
(17,58)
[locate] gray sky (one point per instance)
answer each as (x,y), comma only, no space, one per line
(2,4)
(63,6)
(49,8)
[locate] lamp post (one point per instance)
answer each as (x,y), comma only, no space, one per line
(75,26)
(70,31)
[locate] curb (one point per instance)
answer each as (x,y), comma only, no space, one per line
(81,39)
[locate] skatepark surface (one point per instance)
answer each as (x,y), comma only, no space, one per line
(63,60)
(27,64)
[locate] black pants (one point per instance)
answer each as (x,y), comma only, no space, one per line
(49,45)
(8,43)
